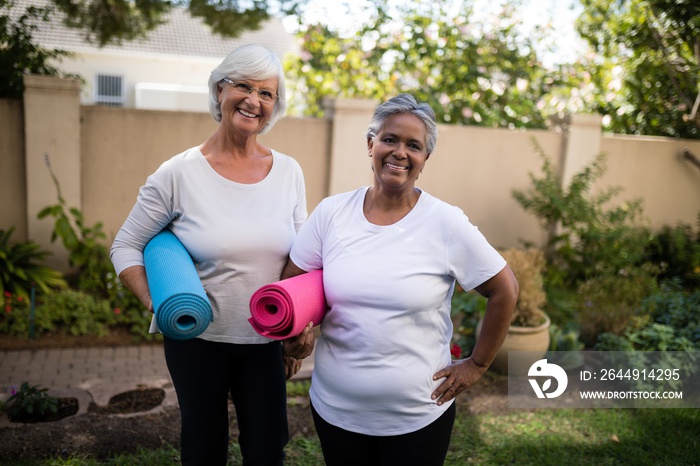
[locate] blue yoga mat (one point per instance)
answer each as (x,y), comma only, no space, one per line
(180,303)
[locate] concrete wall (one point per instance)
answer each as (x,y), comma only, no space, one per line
(121,147)
(13,188)
(102,155)
(653,169)
(52,135)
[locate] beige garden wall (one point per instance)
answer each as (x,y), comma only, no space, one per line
(13,192)
(121,147)
(478,168)
(103,155)
(653,169)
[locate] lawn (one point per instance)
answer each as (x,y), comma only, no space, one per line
(487,432)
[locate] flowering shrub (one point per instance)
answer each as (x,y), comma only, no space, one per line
(29,402)
(78,313)
(609,303)
(129,310)
(467,309)
(102,302)
(64,311)
(15,318)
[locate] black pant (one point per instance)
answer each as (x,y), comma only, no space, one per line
(204,373)
(425,447)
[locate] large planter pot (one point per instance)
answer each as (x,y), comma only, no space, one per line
(534,340)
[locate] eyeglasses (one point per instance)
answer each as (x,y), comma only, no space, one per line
(265,95)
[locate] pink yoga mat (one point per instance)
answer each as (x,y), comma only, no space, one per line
(282,309)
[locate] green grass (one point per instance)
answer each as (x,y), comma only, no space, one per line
(579,437)
(545,437)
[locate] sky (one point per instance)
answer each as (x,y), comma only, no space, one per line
(345,14)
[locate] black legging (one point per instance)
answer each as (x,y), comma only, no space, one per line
(425,447)
(204,373)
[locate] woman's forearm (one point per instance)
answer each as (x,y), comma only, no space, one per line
(502,294)
(134,278)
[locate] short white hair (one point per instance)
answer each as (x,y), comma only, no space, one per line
(405,103)
(253,62)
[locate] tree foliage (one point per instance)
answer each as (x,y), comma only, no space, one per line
(18,52)
(112,21)
(647,78)
(470,72)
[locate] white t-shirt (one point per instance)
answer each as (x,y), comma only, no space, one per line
(239,235)
(389,289)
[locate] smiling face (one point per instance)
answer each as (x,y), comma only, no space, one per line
(399,151)
(244,112)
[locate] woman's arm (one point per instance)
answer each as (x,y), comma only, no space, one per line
(501,292)
(302,345)
(134,278)
(291,270)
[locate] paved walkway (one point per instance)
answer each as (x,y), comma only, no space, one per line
(93,374)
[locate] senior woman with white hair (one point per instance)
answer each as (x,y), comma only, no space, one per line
(236,206)
(383,386)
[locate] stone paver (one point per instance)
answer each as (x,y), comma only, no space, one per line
(94,374)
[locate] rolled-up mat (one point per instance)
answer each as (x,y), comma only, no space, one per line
(282,309)
(180,303)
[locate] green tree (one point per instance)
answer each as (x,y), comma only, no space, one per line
(647,76)
(18,52)
(113,21)
(104,22)
(469,72)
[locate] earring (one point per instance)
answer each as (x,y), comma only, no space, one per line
(369,153)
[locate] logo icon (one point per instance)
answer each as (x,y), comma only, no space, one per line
(542,368)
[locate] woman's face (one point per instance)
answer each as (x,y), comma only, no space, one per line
(399,151)
(246,112)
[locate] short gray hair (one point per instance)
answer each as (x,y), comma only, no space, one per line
(405,103)
(253,62)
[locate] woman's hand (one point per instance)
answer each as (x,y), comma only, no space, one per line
(291,366)
(302,345)
(459,376)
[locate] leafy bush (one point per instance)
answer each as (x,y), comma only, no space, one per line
(677,250)
(132,312)
(16,319)
(86,252)
(467,308)
(596,248)
(78,313)
(562,304)
(72,312)
(589,238)
(668,322)
(608,303)
(84,244)
(676,308)
(20,267)
(30,401)
(658,337)
(63,311)
(651,337)
(528,267)
(95,277)
(565,341)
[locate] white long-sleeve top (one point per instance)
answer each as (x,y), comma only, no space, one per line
(239,235)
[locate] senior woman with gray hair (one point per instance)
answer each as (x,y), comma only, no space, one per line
(236,206)
(383,385)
